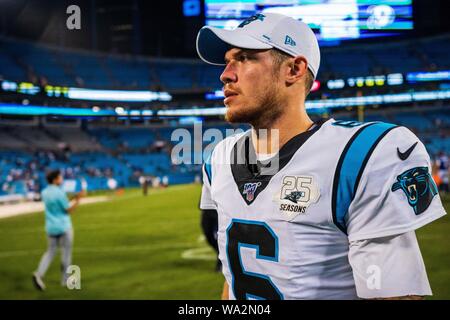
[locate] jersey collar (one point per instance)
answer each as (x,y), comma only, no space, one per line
(252,176)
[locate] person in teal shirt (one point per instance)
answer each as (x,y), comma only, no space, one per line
(58,226)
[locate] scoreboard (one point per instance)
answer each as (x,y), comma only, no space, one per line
(331,20)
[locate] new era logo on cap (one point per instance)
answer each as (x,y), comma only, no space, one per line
(261,31)
(288,40)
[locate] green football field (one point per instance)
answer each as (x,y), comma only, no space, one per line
(136,247)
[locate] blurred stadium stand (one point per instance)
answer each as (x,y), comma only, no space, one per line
(63,67)
(403,56)
(37,62)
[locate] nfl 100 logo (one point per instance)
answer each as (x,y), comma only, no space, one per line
(250,189)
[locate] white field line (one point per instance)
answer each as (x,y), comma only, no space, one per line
(203,253)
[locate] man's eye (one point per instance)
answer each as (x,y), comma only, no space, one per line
(243,57)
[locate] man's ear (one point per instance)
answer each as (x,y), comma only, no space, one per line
(298,67)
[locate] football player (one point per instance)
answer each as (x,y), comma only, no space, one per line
(326,210)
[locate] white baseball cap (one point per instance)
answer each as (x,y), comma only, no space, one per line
(261,31)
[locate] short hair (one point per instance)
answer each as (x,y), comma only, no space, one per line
(309,82)
(52,175)
(280,56)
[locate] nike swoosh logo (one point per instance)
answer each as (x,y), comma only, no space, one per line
(404,155)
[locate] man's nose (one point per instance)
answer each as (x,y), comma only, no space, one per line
(228,75)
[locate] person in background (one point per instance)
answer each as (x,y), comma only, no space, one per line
(443,166)
(58,226)
(435,175)
(143,180)
(209,223)
(165,181)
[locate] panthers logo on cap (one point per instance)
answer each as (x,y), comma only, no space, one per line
(255,17)
(418,187)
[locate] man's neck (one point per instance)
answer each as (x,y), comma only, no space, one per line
(270,140)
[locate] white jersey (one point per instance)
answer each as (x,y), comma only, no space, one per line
(319,225)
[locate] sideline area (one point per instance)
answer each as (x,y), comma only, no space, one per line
(11,210)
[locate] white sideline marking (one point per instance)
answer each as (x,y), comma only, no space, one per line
(201,238)
(204,253)
(11,210)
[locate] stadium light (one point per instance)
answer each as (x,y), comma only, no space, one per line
(117,95)
(120,110)
(428,76)
(32,110)
(321,104)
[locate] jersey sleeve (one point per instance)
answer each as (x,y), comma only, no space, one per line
(396,193)
(206,201)
(379,267)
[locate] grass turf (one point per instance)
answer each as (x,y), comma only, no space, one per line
(131,248)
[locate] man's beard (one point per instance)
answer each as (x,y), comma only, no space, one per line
(266,110)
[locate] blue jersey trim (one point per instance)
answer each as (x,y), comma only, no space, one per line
(351,166)
(208,168)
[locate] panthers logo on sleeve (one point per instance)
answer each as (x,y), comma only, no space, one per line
(418,186)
